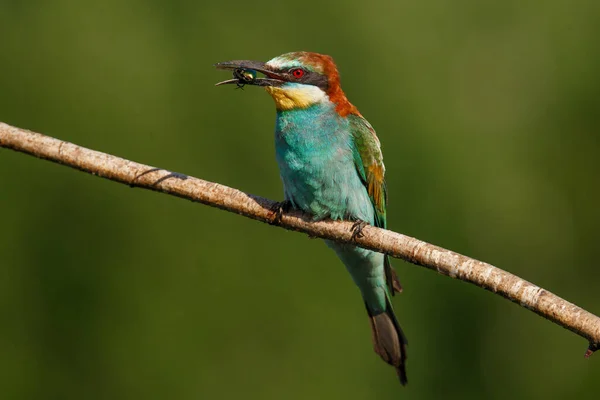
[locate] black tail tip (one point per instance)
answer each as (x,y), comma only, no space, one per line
(401,371)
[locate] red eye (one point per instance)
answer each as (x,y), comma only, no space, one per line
(298,73)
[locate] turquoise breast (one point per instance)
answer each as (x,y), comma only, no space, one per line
(314,150)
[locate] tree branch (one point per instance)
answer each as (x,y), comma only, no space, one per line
(415,251)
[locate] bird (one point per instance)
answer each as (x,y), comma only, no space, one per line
(331,166)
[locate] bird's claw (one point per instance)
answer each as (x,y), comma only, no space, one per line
(278,209)
(357,228)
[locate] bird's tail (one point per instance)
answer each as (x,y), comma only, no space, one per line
(389,340)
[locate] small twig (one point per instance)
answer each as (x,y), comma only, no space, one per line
(444,261)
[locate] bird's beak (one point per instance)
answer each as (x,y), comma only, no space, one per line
(239,66)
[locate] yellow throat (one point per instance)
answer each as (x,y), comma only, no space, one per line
(301,96)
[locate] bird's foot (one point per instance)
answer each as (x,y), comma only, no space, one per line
(278,209)
(357,228)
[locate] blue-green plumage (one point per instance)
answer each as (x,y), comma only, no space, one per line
(315,152)
(331,166)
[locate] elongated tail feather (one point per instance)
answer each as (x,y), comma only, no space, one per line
(389,340)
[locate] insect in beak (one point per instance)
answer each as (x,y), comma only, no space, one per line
(244,76)
(245,73)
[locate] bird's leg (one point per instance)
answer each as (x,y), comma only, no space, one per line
(278,209)
(357,228)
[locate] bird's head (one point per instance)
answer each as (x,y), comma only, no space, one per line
(295,80)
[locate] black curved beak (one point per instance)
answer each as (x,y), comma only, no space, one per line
(272,78)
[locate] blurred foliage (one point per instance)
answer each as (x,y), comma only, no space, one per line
(488,115)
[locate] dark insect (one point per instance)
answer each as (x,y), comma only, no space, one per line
(244,76)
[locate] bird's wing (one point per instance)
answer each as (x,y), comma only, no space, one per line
(369,165)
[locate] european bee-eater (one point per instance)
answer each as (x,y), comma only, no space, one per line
(331,166)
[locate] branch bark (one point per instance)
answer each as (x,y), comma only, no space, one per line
(415,251)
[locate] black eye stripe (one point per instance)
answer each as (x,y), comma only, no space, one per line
(316,79)
(309,78)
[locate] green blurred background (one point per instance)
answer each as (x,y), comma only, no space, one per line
(488,116)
